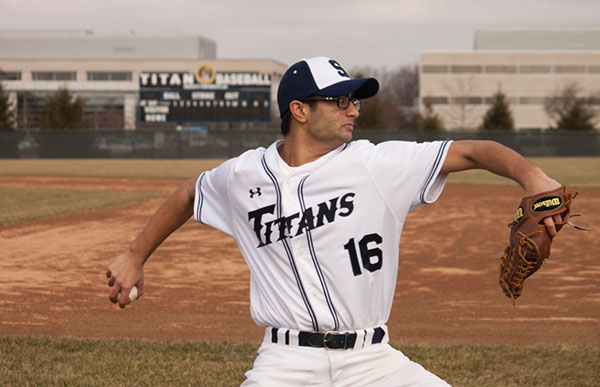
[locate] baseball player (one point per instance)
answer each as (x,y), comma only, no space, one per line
(318,219)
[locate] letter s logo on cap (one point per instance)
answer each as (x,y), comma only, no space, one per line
(339,68)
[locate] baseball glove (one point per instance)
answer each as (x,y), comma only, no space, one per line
(529,242)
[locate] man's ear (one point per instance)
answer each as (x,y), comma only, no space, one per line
(299,111)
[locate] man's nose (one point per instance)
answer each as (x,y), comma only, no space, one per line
(352,111)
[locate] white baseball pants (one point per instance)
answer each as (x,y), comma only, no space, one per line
(374,365)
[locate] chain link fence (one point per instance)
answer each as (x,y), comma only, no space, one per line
(226,144)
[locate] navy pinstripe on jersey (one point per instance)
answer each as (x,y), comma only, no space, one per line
(313,255)
(432,173)
(201,198)
(287,248)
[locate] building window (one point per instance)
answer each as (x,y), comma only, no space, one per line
(465,68)
(109,76)
(569,69)
(435,69)
(501,69)
(54,76)
(435,100)
(467,100)
(594,69)
(532,100)
(528,69)
(10,76)
(491,100)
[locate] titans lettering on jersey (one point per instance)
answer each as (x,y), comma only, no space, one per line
(269,229)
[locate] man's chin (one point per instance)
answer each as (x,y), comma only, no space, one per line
(348,136)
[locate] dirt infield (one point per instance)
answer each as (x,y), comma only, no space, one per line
(52,275)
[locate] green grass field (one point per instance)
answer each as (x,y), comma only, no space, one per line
(74,362)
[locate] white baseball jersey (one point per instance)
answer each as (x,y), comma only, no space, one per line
(321,240)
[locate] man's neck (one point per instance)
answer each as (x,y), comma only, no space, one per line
(296,153)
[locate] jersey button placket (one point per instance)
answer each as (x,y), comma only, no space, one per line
(288,196)
(289,188)
(290,207)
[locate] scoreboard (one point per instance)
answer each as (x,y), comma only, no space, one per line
(204,96)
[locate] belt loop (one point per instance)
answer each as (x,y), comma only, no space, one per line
(360,339)
(369,335)
(281,336)
(294,337)
(378,335)
(274,335)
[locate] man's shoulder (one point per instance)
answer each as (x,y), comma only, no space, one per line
(358,145)
(368,147)
(248,160)
(253,154)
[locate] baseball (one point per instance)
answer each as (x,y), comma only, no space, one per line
(133,293)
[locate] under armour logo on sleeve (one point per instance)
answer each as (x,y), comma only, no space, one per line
(252,192)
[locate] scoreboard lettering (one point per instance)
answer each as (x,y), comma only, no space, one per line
(204,96)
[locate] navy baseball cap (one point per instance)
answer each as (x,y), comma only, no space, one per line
(320,76)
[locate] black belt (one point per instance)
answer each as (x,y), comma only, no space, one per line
(331,340)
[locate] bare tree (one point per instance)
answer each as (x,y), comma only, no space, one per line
(402,85)
(398,95)
(571,111)
(460,104)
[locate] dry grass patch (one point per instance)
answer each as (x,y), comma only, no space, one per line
(23,203)
(118,168)
(572,171)
(75,362)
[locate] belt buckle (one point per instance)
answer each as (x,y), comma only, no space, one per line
(325,341)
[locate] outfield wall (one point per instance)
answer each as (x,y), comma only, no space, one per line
(224,144)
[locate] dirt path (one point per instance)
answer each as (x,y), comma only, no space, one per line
(52,275)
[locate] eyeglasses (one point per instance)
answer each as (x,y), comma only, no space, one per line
(342,101)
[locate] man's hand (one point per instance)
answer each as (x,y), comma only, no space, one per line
(551,222)
(127,270)
(540,182)
(124,273)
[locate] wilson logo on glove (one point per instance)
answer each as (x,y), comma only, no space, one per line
(546,204)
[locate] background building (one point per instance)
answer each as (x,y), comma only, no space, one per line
(181,73)
(528,65)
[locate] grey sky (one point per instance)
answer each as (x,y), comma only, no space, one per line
(380,33)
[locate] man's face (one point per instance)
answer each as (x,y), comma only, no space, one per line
(328,124)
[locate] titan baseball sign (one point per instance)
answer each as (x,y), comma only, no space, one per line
(204,96)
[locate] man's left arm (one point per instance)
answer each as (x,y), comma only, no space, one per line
(503,161)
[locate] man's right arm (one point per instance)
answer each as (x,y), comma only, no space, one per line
(127,270)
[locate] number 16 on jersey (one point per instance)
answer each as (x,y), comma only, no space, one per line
(371,256)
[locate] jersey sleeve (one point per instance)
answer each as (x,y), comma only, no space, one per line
(211,201)
(407,174)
